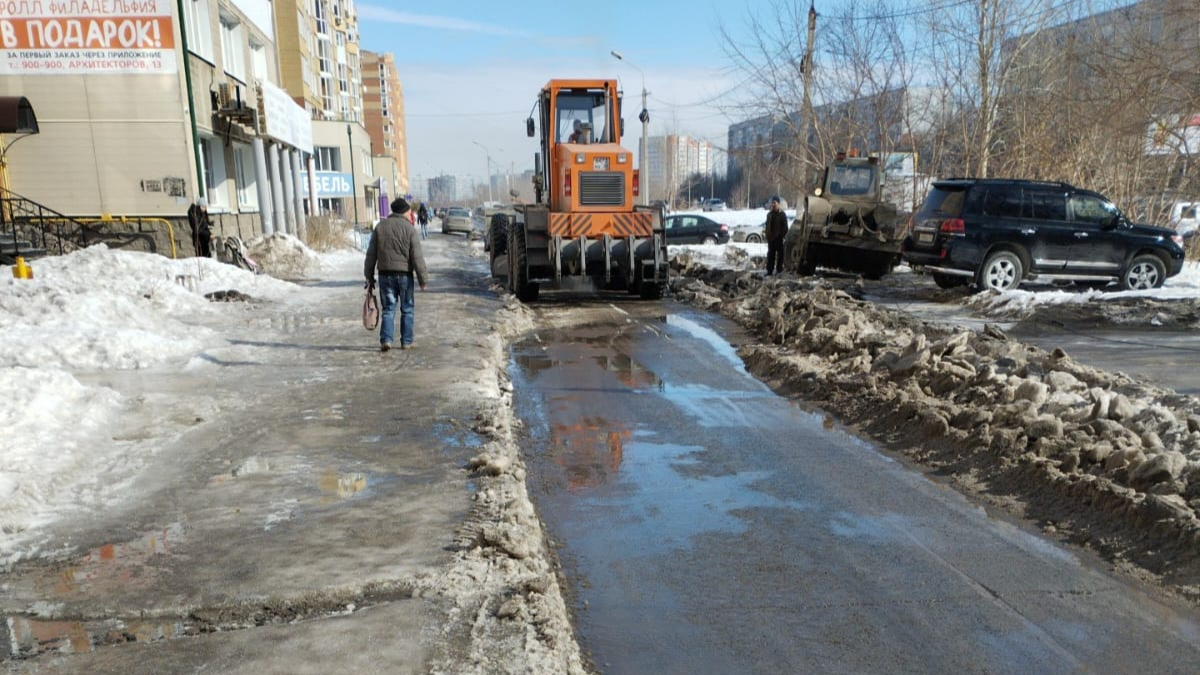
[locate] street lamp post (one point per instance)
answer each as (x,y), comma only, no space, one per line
(353,181)
(488,154)
(644,116)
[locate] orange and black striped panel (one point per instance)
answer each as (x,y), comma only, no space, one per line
(595,225)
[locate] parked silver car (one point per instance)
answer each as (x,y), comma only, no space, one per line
(749,234)
(714,205)
(457,220)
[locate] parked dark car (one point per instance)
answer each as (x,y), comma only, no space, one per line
(998,233)
(694,229)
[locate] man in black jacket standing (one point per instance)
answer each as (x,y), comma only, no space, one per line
(395,249)
(776,230)
(201,226)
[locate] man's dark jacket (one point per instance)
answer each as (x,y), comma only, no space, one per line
(777,225)
(396,248)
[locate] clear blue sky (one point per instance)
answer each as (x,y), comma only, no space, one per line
(471,69)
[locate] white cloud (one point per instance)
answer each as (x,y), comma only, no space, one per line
(374,13)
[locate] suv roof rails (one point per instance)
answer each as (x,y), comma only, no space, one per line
(1013,181)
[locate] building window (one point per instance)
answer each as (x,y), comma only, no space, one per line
(231,47)
(320,17)
(199,28)
(258,61)
(307,75)
(323,59)
(245,177)
(333,206)
(212,156)
(328,158)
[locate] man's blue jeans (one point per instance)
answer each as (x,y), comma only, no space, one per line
(396,289)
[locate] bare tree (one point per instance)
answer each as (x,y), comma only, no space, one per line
(859,76)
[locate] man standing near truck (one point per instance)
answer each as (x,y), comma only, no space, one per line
(776,230)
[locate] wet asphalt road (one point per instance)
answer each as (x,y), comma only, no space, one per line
(708,526)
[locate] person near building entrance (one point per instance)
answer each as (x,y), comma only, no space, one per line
(395,250)
(201,227)
(776,230)
(423,219)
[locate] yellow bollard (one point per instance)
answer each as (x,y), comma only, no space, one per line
(22,270)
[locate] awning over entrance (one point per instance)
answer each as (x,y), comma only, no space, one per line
(16,116)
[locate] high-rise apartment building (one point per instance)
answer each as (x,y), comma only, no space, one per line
(321,69)
(383,113)
(671,160)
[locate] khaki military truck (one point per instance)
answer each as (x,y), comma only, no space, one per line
(846,223)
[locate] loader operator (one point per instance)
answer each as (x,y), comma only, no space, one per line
(577,135)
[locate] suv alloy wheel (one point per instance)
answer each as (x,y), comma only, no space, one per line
(1002,271)
(1145,272)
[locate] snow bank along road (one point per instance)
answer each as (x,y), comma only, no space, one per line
(1096,459)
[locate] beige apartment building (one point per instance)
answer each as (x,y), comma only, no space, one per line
(321,69)
(383,106)
(143,111)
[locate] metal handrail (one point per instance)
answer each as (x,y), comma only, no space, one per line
(125,220)
(21,216)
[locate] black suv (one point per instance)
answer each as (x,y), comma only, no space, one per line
(996,233)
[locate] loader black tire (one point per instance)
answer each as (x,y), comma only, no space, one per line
(497,243)
(650,290)
(518,259)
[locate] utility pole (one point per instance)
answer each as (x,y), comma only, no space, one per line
(644,150)
(353,180)
(806,68)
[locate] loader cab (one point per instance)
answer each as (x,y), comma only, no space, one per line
(588,108)
(570,162)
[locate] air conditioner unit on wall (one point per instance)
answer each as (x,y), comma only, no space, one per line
(229,96)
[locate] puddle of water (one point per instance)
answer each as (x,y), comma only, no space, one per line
(28,638)
(709,337)
(335,486)
(711,407)
(590,453)
(451,436)
(628,371)
(113,566)
(536,364)
(653,506)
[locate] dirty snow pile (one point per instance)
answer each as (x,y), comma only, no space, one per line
(732,256)
(96,310)
(502,583)
(1021,302)
(1110,454)
(282,255)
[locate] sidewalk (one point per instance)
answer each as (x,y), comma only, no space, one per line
(330,508)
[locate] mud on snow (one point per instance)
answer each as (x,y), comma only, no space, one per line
(1096,459)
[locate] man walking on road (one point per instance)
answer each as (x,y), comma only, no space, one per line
(776,230)
(395,249)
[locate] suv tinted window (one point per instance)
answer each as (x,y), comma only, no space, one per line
(1046,205)
(944,201)
(996,200)
(1092,209)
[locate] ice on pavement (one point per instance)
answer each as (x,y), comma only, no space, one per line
(91,311)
